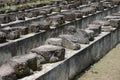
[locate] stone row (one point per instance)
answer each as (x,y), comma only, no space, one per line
(54,48)
(6,18)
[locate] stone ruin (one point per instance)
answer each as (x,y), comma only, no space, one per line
(54,49)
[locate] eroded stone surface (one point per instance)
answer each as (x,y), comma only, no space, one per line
(50,53)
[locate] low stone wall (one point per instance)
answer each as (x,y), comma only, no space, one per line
(24,44)
(77,61)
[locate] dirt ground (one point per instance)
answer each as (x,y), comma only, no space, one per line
(108,68)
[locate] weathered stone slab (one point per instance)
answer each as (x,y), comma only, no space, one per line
(115,22)
(80,35)
(111,17)
(44,25)
(56,9)
(23,29)
(101,22)
(69,16)
(68,41)
(7,72)
(56,20)
(107,28)
(98,6)
(20,16)
(50,53)
(34,27)
(11,34)
(91,34)
(54,41)
(88,10)
(77,13)
(4,18)
(95,28)
(24,65)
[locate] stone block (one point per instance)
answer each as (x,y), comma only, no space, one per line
(80,35)
(68,41)
(95,28)
(111,17)
(91,34)
(101,22)
(77,13)
(4,18)
(13,35)
(44,25)
(20,16)
(50,53)
(33,27)
(115,22)
(24,65)
(107,28)
(54,41)
(7,72)
(23,29)
(69,16)
(56,20)
(56,9)
(88,10)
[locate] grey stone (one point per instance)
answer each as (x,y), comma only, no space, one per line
(69,16)
(88,10)
(107,28)
(34,27)
(115,22)
(96,28)
(44,25)
(21,16)
(13,35)
(6,30)
(7,72)
(101,22)
(56,9)
(56,20)
(111,17)
(24,65)
(23,29)
(47,10)
(50,53)
(107,5)
(68,41)
(77,13)
(4,18)
(91,34)
(81,36)
(12,17)
(54,41)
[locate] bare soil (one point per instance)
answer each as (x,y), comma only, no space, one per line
(108,68)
